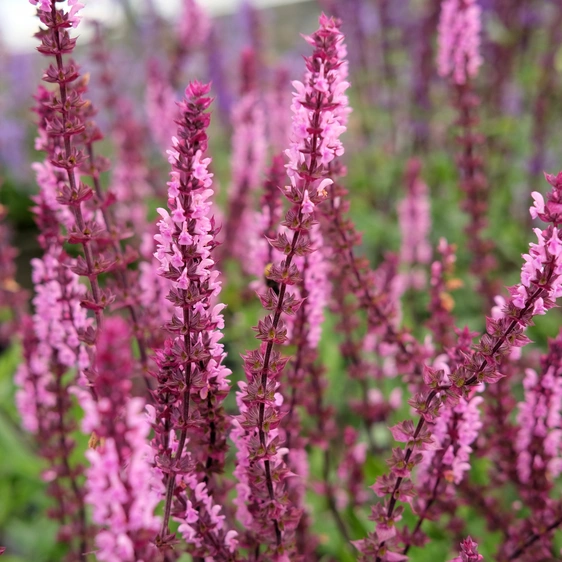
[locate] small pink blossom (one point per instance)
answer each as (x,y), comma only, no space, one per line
(307,204)
(538,205)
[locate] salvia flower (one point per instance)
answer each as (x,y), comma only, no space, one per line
(67,133)
(541,285)
(55,359)
(459,40)
(415,223)
(455,431)
(538,440)
(121,486)
(192,380)
(318,104)
(65,127)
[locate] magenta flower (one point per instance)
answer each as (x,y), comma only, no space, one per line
(318,109)
(468,552)
(459,40)
(121,486)
(541,285)
(192,380)
(249,148)
(414,216)
(455,431)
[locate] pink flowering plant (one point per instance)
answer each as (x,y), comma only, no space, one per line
(272,313)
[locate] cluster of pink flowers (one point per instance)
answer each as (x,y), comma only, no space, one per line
(459,40)
(415,223)
(539,420)
(121,486)
(53,344)
(318,106)
(192,380)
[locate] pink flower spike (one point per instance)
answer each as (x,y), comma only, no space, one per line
(185,245)
(459,40)
(320,109)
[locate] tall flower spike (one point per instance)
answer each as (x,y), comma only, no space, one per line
(459,60)
(63,125)
(317,106)
(541,285)
(247,163)
(54,361)
(121,486)
(67,133)
(459,40)
(414,216)
(55,355)
(192,380)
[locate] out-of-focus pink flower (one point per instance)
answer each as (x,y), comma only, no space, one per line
(468,552)
(459,40)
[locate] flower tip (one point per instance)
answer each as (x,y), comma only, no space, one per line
(328,22)
(197,89)
(554,180)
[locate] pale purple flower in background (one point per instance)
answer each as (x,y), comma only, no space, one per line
(414,218)
(249,150)
(194,25)
(121,486)
(160,103)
